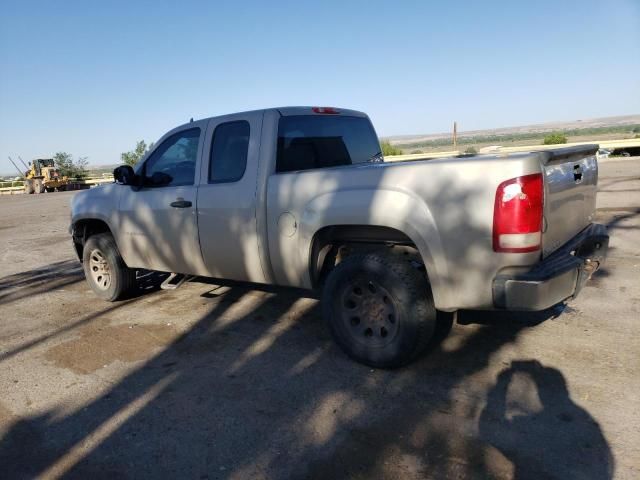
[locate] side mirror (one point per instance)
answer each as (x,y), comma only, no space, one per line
(124,175)
(160,179)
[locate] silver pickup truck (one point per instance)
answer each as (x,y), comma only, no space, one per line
(302,197)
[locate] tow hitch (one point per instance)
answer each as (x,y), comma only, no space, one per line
(590,266)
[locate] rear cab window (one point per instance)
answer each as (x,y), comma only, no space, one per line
(308,142)
(229,151)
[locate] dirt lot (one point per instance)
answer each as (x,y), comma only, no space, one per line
(227,381)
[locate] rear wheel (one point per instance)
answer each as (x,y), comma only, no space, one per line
(379,309)
(105,270)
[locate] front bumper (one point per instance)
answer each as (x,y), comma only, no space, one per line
(558,277)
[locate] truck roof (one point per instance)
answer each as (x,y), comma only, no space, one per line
(294,110)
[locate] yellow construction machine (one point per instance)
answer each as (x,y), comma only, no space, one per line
(43,176)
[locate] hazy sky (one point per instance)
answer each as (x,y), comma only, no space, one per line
(92,78)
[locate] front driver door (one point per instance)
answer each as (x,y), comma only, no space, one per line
(159,228)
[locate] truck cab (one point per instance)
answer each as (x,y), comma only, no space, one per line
(203,188)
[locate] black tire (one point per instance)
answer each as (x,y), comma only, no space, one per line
(101,256)
(379,309)
(444,324)
(28,187)
(38,186)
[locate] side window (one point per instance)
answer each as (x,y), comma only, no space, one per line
(307,142)
(229,150)
(174,161)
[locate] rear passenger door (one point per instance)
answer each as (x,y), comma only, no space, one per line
(227,197)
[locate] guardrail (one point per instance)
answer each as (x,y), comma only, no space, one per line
(11,190)
(85,181)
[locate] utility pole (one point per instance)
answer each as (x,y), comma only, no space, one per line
(455,135)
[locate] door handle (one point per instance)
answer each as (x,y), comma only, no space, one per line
(181,203)
(577,174)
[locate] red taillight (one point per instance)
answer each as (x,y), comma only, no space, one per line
(517,215)
(326,110)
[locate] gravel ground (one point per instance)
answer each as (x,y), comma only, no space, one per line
(231,381)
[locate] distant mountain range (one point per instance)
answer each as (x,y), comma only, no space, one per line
(536,128)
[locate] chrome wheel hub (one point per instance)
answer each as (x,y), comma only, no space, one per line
(99,269)
(369,312)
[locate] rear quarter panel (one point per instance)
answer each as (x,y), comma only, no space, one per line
(444,206)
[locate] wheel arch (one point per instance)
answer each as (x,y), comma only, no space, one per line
(379,216)
(325,250)
(84,228)
(334,236)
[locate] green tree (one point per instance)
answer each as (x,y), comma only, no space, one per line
(134,156)
(69,167)
(554,138)
(388,149)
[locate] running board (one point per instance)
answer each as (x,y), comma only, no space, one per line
(175,280)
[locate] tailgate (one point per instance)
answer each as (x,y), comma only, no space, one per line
(571,182)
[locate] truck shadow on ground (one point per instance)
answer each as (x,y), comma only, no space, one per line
(40,280)
(266,394)
(59,275)
(615,216)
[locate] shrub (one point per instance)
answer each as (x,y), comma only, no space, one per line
(388,149)
(555,138)
(471,150)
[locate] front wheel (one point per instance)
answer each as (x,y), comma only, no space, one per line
(379,309)
(105,270)
(38,186)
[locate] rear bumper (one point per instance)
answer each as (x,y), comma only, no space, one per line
(558,277)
